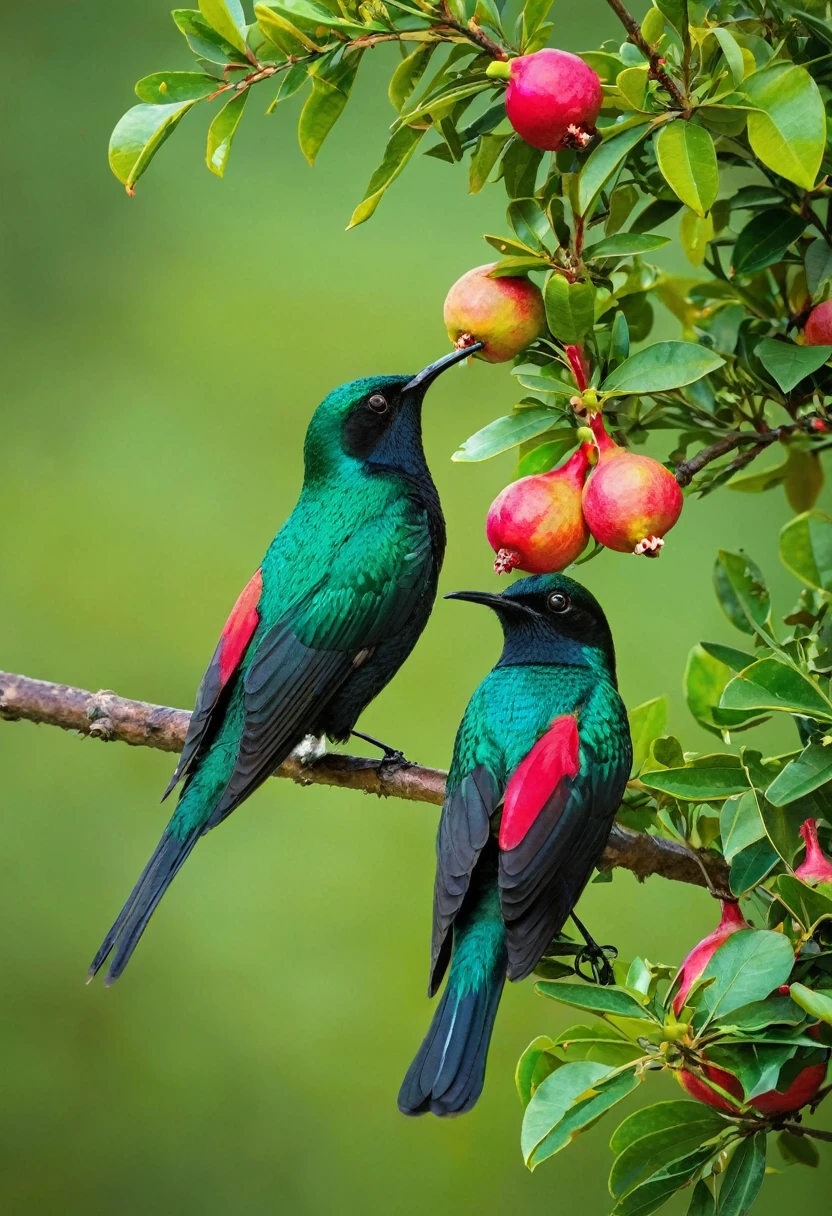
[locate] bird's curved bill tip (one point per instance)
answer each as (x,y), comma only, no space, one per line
(428,374)
(488,598)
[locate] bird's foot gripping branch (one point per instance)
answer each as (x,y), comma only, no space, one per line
(706,125)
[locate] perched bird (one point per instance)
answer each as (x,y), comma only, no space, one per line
(340,600)
(540,762)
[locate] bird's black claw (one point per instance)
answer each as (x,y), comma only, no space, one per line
(600,960)
(392,756)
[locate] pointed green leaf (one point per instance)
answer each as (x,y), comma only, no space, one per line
(817,1004)
(204,40)
(506,433)
(687,160)
(163,88)
(595,999)
(788,132)
(743,1178)
(570,308)
(138,137)
(798,1150)
(701,1201)
(647,723)
(808,905)
(603,1095)
(408,74)
(648,1154)
(789,363)
(818,265)
(603,162)
(222,131)
(660,367)
(772,685)
(765,239)
(745,968)
(704,682)
(740,824)
(733,54)
(741,591)
(655,1192)
(228,19)
(277,27)
(737,660)
(332,82)
(534,1066)
(312,14)
(485,156)
(751,865)
(400,148)
(552,1099)
(626,245)
(661,1116)
(697,784)
(806,548)
(811,770)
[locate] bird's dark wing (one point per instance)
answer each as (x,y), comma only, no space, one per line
(558,809)
(464,828)
(368,595)
(237,633)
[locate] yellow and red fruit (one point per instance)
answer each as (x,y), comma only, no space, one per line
(630,501)
(552,100)
(818,331)
(506,314)
(536,524)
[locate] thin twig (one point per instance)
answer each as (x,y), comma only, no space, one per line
(657,68)
(687,470)
(108,717)
(797,1129)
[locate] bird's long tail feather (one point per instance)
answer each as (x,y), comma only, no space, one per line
(447,1075)
(168,858)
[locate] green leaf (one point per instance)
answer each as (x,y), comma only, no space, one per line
(552,1099)
(651,1152)
(701,1201)
(163,88)
(534,1066)
(604,1094)
(818,266)
(798,1150)
(484,158)
(332,82)
(228,19)
(808,905)
(811,770)
(314,14)
(752,865)
(647,723)
(632,84)
(745,968)
(695,233)
(733,54)
(815,1003)
(222,131)
(758,483)
(290,83)
(789,363)
(656,213)
(789,135)
(653,1193)
(204,40)
(743,1178)
(626,244)
(661,1116)
(806,549)
(400,148)
(740,824)
(570,308)
(697,784)
(408,74)
(704,682)
(687,160)
(603,162)
(737,660)
(595,999)
(138,137)
(278,28)
(506,433)
(443,102)
(741,591)
(772,685)
(662,366)
(765,239)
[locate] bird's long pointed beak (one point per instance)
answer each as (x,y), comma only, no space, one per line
(490,599)
(428,374)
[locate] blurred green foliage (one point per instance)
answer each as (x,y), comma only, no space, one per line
(161,359)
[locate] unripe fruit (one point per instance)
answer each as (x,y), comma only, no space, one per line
(553,99)
(506,314)
(818,331)
(816,866)
(695,963)
(536,524)
(630,501)
(799,1093)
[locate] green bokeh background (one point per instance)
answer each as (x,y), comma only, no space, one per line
(162,358)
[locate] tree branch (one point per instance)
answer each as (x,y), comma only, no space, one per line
(657,70)
(105,716)
(687,470)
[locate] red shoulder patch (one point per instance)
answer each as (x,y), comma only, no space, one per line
(555,756)
(240,626)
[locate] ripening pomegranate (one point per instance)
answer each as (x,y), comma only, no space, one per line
(536,524)
(773,1102)
(629,501)
(695,963)
(506,314)
(818,331)
(552,100)
(816,866)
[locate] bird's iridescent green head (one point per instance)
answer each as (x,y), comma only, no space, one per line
(376,421)
(549,618)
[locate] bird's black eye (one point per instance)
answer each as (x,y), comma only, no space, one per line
(378,404)
(559,602)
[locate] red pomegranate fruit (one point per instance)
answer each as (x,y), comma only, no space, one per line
(816,866)
(630,502)
(536,524)
(695,963)
(552,100)
(506,314)
(818,331)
